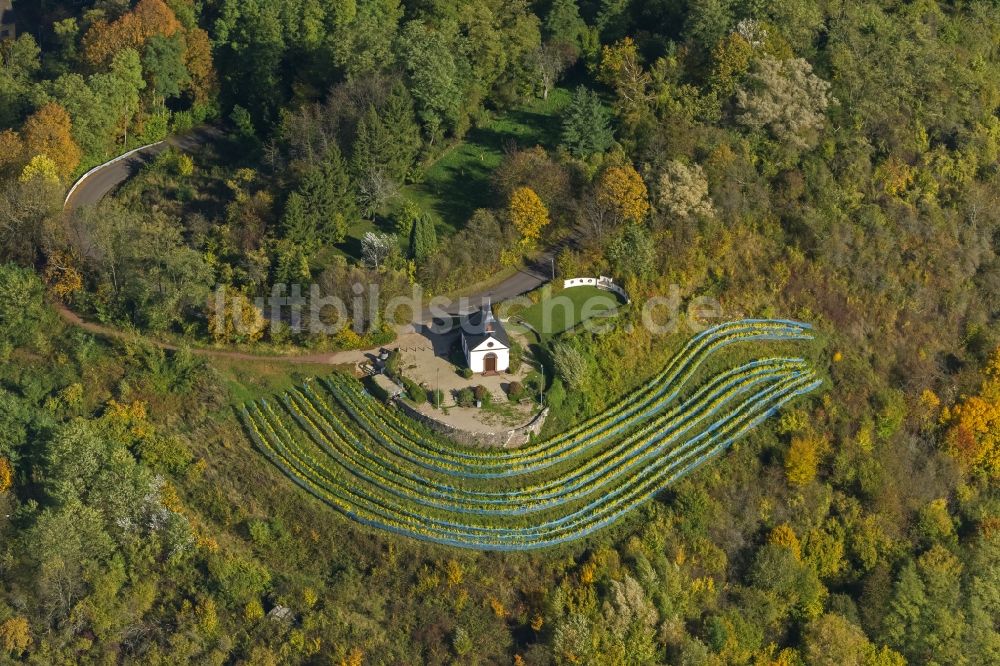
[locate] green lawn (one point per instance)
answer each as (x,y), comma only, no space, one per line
(458,183)
(567,309)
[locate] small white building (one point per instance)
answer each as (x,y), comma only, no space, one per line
(485,343)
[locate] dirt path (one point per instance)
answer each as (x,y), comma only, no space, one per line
(323,358)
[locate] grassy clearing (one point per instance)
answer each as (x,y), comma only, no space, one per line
(458,183)
(569,308)
(252,380)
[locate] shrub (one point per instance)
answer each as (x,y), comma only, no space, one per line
(392,363)
(436,397)
(515,391)
(534,383)
(465,398)
(481,394)
(465,372)
(415,392)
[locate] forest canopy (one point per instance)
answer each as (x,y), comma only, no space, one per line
(831,162)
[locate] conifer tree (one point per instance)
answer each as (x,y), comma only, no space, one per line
(297,226)
(387,139)
(423,241)
(330,205)
(587,125)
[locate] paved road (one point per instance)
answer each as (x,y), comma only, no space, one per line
(102,182)
(528,278)
(106,179)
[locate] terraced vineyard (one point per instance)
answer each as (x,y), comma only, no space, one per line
(383,470)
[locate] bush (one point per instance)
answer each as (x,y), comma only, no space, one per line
(436,397)
(415,392)
(534,383)
(392,363)
(515,391)
(465,398)
(465,372)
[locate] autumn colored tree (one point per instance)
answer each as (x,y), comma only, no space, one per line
(783,535)
(802,460)
(11,150)
(62,275)
(41,167)
(155,18)
(973,425)
(534,168)
(620,68)
(49,132)
(622,191)
(233,317)
(731,59)
(356,657)
(130,31)
(785,98)
(682,191)
(528,215)
(6,475)
(15,636)
(198,60)
(832,640)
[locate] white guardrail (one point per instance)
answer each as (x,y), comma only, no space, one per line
(602,282)
(97,168)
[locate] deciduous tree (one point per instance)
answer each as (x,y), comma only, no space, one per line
(623,192)
(973,425)
(432,74)
(235,319)
(802,460)
(632,252)
(785,98)
(528,215)
(377,247)
(6,475)
(15,636)
(620,68)
(163,62)
(49,132)
(130,31)
(681,192)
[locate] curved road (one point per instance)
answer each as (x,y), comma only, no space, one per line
(101,181)
(105,179)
